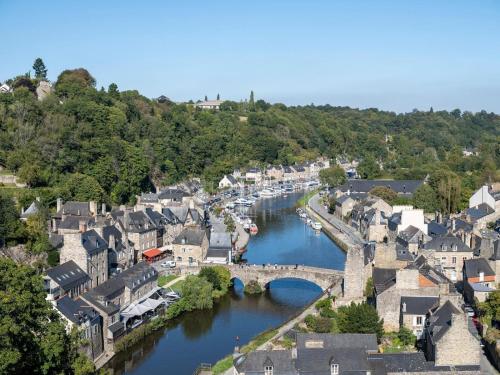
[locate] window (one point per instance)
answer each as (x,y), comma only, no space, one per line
(454,260)
(334,369)
(268,370)
(419,320)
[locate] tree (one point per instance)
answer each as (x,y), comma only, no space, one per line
(211,276)
(11,230)
(251,102)
(368,168)
(230,225)
(196,293)
(40,69)
(113,90)
(218,96)
(333,176)
(425,198)
(33,340)
(206,98)
(447,186)
(360,318)
(71,83)
(384,192)
(81,187)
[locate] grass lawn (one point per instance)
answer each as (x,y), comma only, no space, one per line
(177,286)
(165,279)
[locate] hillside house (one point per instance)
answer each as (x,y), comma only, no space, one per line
(66,279)
(190,246)
(479,279)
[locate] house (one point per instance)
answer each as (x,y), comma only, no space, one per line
(482,196)
(228,181)
(436,229)
(89,251)
(479,279)
(140,228)
(209,104)
(417,279)
(405,216)
(447,338)
(334,354)
(412,239)
(120,252)
(220,248)
(414,310)
(300,172)
(31,210)
(402,187)
(253,174)
(288,173)
(111,298)
(77,313)
(447,253)
(370,219)
(70,215)
(190,246)
(165,198)
(275,172)
(5,88)
(43,90)
(66,279)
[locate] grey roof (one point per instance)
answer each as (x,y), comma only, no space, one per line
(73,222)
(92,242)
(179,212)
(190,236)
(435,229)
(496,250)
(149,197)
(342,199)
(76,209)
(402,253)
(299,168)
(77,311)
(408,235)
(385,363)
(472,267)
(430,272)
(139,222)
(440,321)
(231,179)
(31,210)
(368,252)
(255,362)
(173,194)
(447,243)
(68,275)
(220,240)
(480,211)
(287,169)
(364,186)
(217,253)
(111,230)
(383,279)
(418,305)
(56,240)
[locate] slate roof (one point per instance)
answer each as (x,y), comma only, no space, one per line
(382,364)
(231,179)
(255,362)
(220,240)
(402,253)
(139,222)
(364,186)
(447,243)
(68,275)
(496,251)
(409,233)
(56,240)
(149,197)
(180,213)
(75,209)
(418,305)
(480,211)
(133,278)
(77,311)
(173,194)
(92,242)
(440,321)
(111,230)
(190,236)
(429,272)
(31,210)
(472,267)
(435,229)
(217,253)
(383,279)
(73,222)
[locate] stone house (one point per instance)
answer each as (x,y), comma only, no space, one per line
(403,217)
(120,251)
(401,187)
(417,279)
(66,279)
(228,182)
(275,172)
(288,173)
(494,261)
(70,214)
(77,313)
(479,279)
(370,219)
(220,248)
(300,172)
(414,310)
(412,238)
(447,338)
(165,198)
(141,230)
(111,297)
(447,253)
(190,246)
(89,251)
(254,175)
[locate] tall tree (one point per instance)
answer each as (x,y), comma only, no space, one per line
(333,176)
(206,98)
(218,96)
(251,102)
(113,90)
(40,69)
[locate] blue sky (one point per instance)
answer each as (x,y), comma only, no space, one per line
(395,55)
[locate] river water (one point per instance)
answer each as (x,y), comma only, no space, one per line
(206,336)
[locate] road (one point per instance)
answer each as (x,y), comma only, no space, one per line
(353,235)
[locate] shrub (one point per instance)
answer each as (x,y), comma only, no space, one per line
(253,287)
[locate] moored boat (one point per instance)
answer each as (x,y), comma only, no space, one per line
(316,225)
(253,228)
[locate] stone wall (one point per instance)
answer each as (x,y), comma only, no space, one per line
(354,275)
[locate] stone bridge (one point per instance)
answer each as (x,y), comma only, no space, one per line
(323,277)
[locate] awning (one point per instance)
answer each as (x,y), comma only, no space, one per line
(138,309)
(152,253)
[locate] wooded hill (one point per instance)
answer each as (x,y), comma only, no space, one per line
(84,143)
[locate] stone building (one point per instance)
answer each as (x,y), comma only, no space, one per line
(447,338)
(412,238)
(89,251)
(478,278)
(357,271)
(190,246)
(66,279)
(414,310)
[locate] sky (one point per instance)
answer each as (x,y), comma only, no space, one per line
(393,55)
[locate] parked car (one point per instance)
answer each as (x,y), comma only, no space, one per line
(469,310)
(168,264)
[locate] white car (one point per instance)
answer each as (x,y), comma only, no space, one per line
(168,264)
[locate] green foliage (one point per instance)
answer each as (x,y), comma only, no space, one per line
(40,69)
(318,324)
(368,292)
(333,176)
(359,318)
(253,287)
(490,309)
(229,222)
(406,336)
(447,187)
(425,198)
(11,229)
(82,188)
(165,279)
(211,276)
(384,192)
(223,365)
(196,294)
(368,168)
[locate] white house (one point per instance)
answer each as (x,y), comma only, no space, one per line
(5,88)
(254,174)
(228,181)
(209,104)
(481,196)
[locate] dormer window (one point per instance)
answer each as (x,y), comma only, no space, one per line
(268,370)
(334,369)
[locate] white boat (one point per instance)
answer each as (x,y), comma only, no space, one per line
(316,225)
(303,215)
(267,193)
(309,221)
(230,205)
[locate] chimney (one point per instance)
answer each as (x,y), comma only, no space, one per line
(404,306)
(112,242)
(103,209)
(82,226)
(183,241)
(93,208)
(59,204)
(125,219)
(453,225)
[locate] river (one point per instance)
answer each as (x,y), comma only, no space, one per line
(206,336)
